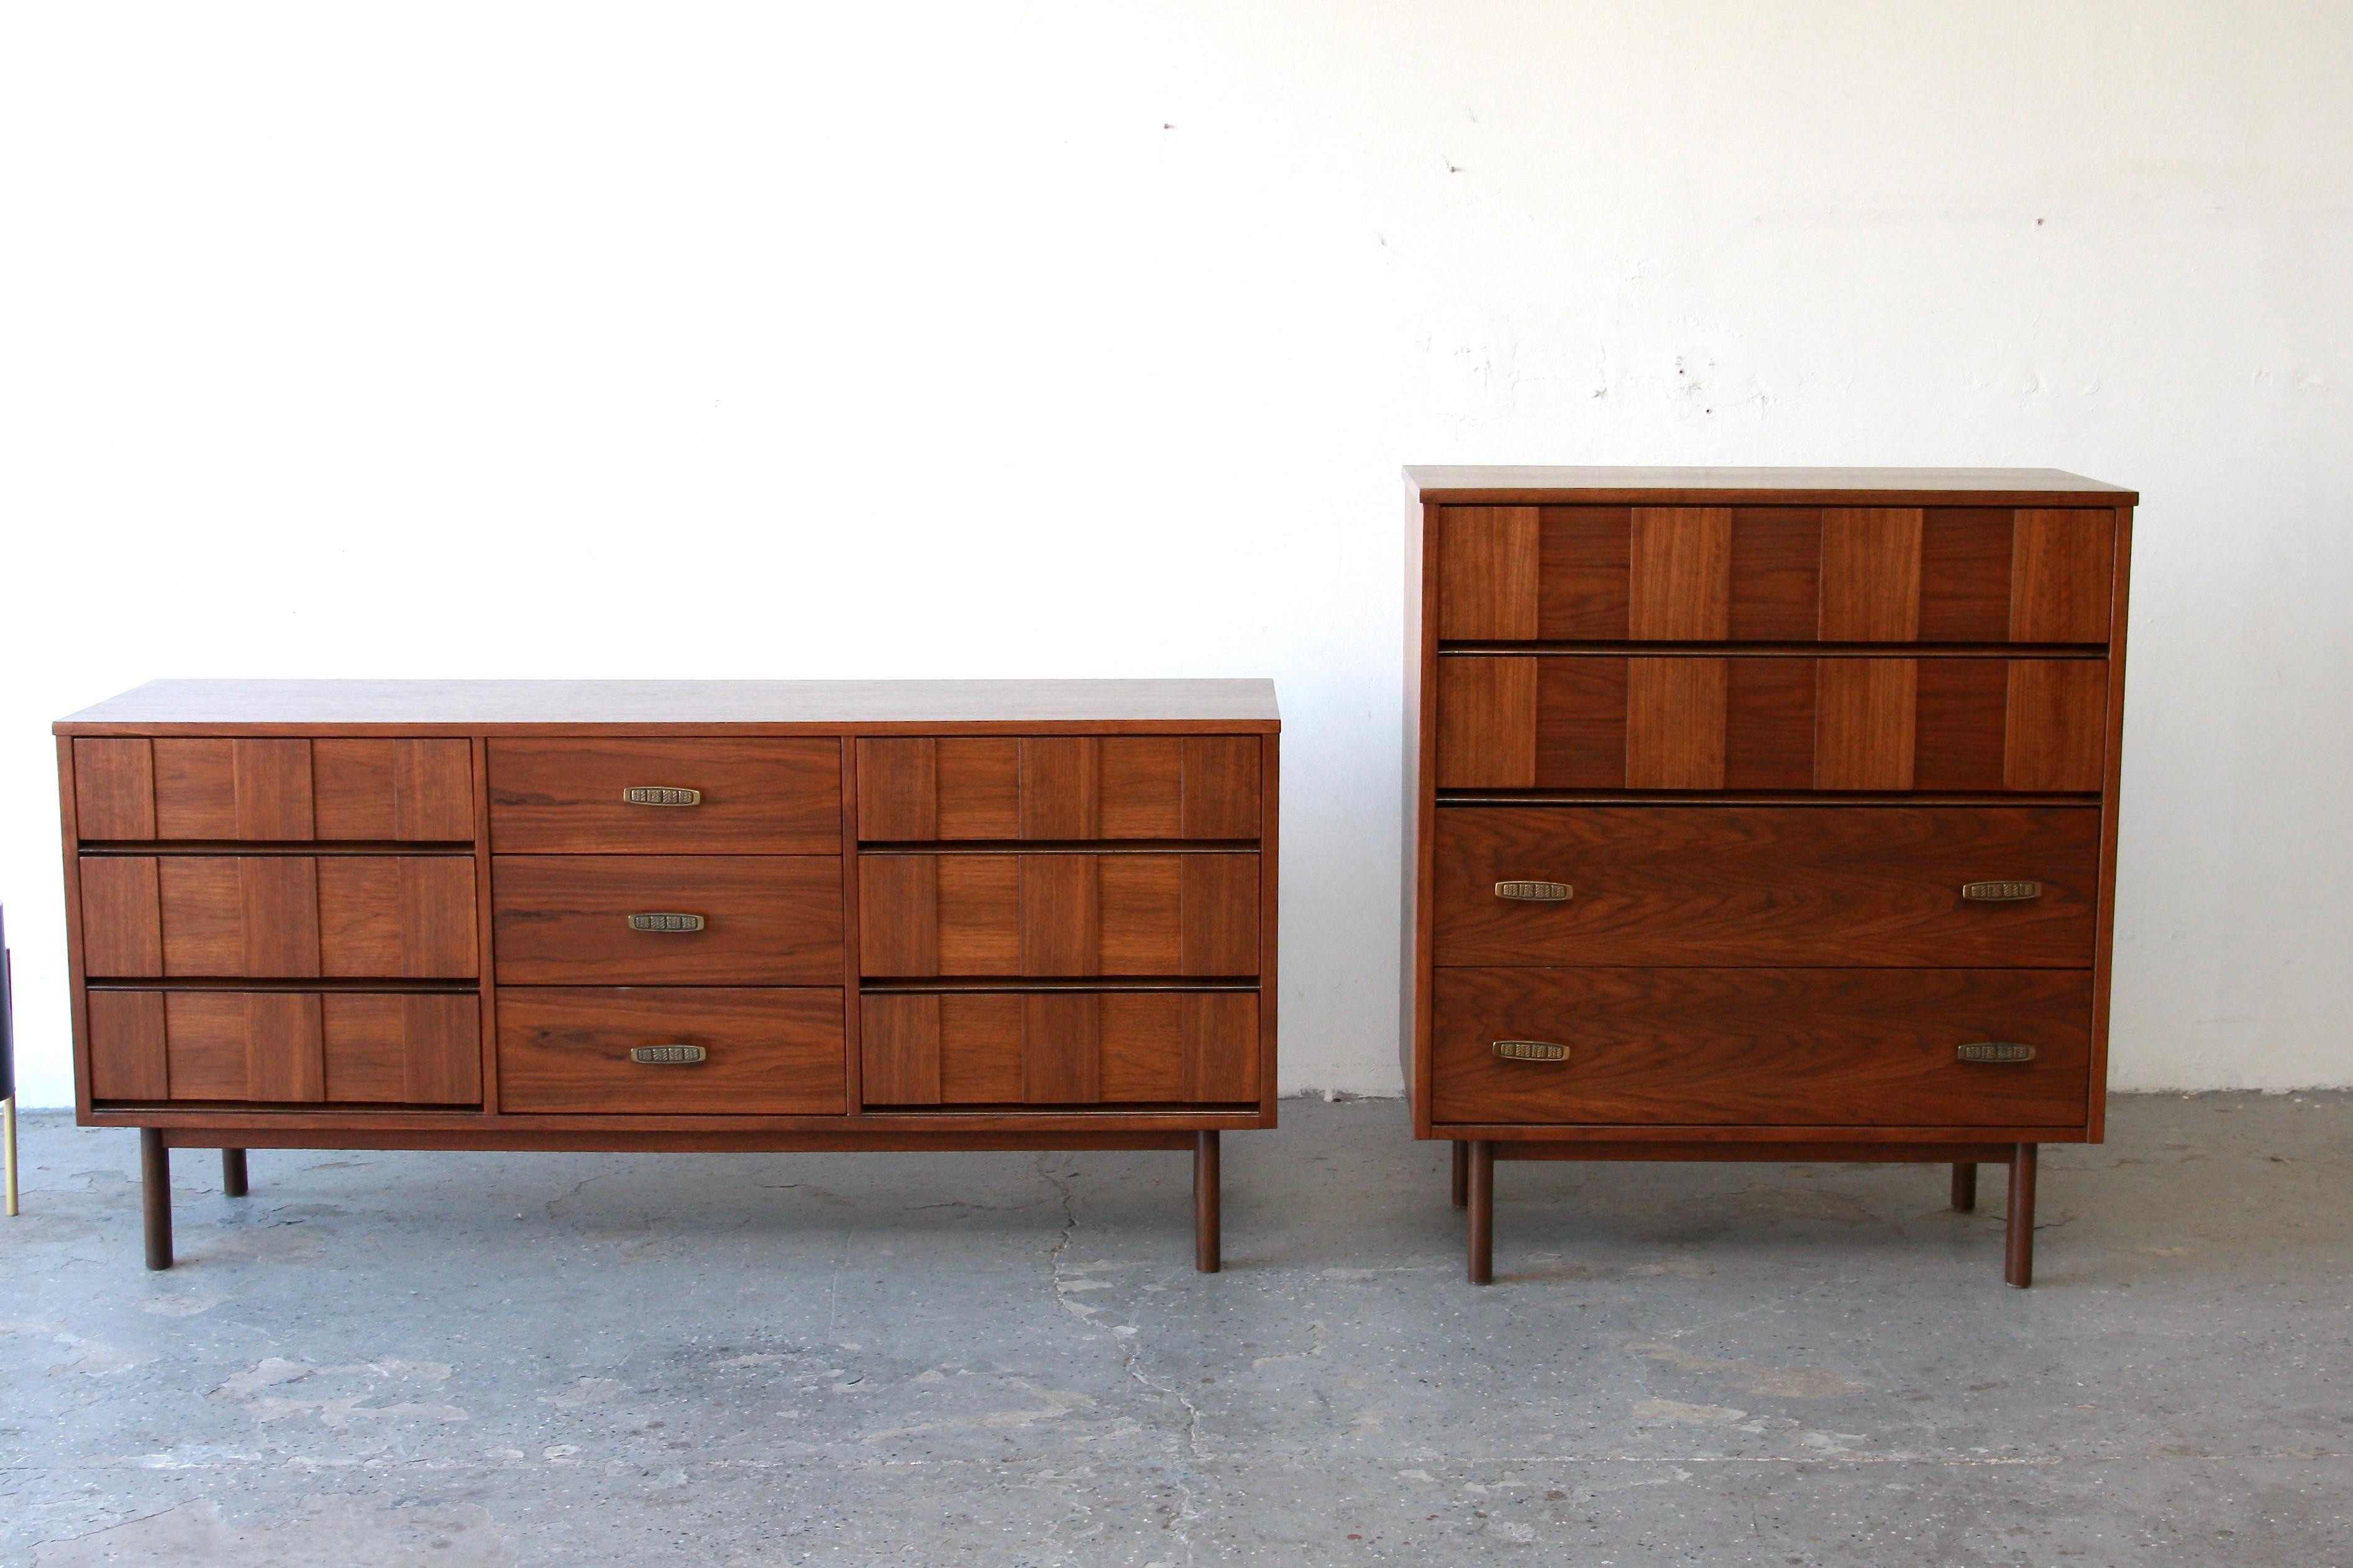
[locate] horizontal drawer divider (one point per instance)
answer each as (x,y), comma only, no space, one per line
(318,848)
(1729,649)
(268,1108)
(1821,798)
(315,982)
(1059,847)
(1030,984)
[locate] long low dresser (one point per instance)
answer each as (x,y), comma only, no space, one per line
(1761,814)
(673,915)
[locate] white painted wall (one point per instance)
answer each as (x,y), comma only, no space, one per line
(1073,338)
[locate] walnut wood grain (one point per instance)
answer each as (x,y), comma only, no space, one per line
(114,789)
(1871,574)
(278,917)
(1062,788)
(406,791)
(759,796)
(1574,721)
(1048,914)
(563,919)
(415,1049)
(1076,1048)
(1760,1046)
(1679,574)
(1770,886)
(566,1049)
(1488,572)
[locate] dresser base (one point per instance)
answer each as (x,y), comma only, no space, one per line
(156,1143)
(1474,1179)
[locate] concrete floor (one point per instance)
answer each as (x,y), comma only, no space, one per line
(477,1359)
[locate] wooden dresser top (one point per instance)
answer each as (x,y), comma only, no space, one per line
(306,707)
(1762,487)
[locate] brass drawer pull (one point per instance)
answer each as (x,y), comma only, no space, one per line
(661,794)
(1530,1051)
(666,923)
(667,1056)
(2000,892)
(1997,1051)
(1535,892)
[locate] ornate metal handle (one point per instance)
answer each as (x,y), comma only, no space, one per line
(1530,1051)
(1535,892)
(1997,1051)
(2000,892)
(661,794)
(666,923)
(667,1056)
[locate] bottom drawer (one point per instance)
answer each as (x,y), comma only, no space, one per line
(1136,1049)
(1799,1047)
(286,1048)
(656,1050)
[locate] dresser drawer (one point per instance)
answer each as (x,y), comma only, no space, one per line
(254,790)
(1131,914)
(285,1048)
(1809,1047)
(278,917)
(1776,574)
(1799,885)
(745,1051)
(666,796)
(1765,722)
(1137,1048)
(764,919)
(923,789)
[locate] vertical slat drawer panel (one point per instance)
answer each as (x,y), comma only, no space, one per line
(1570,721)
(417,1050)
(1775,573)
(254,790)
(114,789)
(1058,915)
(286,1048)
(1057,788)
(1060,1049)
(409,791)
(410,916)
(278,917)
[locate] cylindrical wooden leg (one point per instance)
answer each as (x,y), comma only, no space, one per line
(233,1172)
(2017,1252)
(1207,1255)
(1483,1211)
(1462,1173)
(1965,1187)
(10,1155)
(155,1192)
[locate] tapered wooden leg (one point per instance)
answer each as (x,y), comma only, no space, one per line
(233,1172)
(155,1192)
(1207,1253)
(1965,1187)
(2018,1251)
(1483,1211)
(1462,1173)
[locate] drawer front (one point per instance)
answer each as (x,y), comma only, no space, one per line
(921,789)
(1601,573)
(1059,914)
(767,919)
(762,1051)
(278,917)
(1765,723)
(1134,1048)
(285,1048)
(1803,886)
(1808,1048)
(756,796)
(410,790)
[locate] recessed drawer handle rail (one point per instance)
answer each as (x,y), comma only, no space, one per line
(2000,892)
(1530,1051)
(661,794)
(1529,892)
(667,1056)
(664,921)
(1997,1051)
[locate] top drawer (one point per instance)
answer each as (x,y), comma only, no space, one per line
(1038,787)
(1775,573)
(658,796)
(405,791)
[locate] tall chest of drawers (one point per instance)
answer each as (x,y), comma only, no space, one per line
(737,915)
(1761,814)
